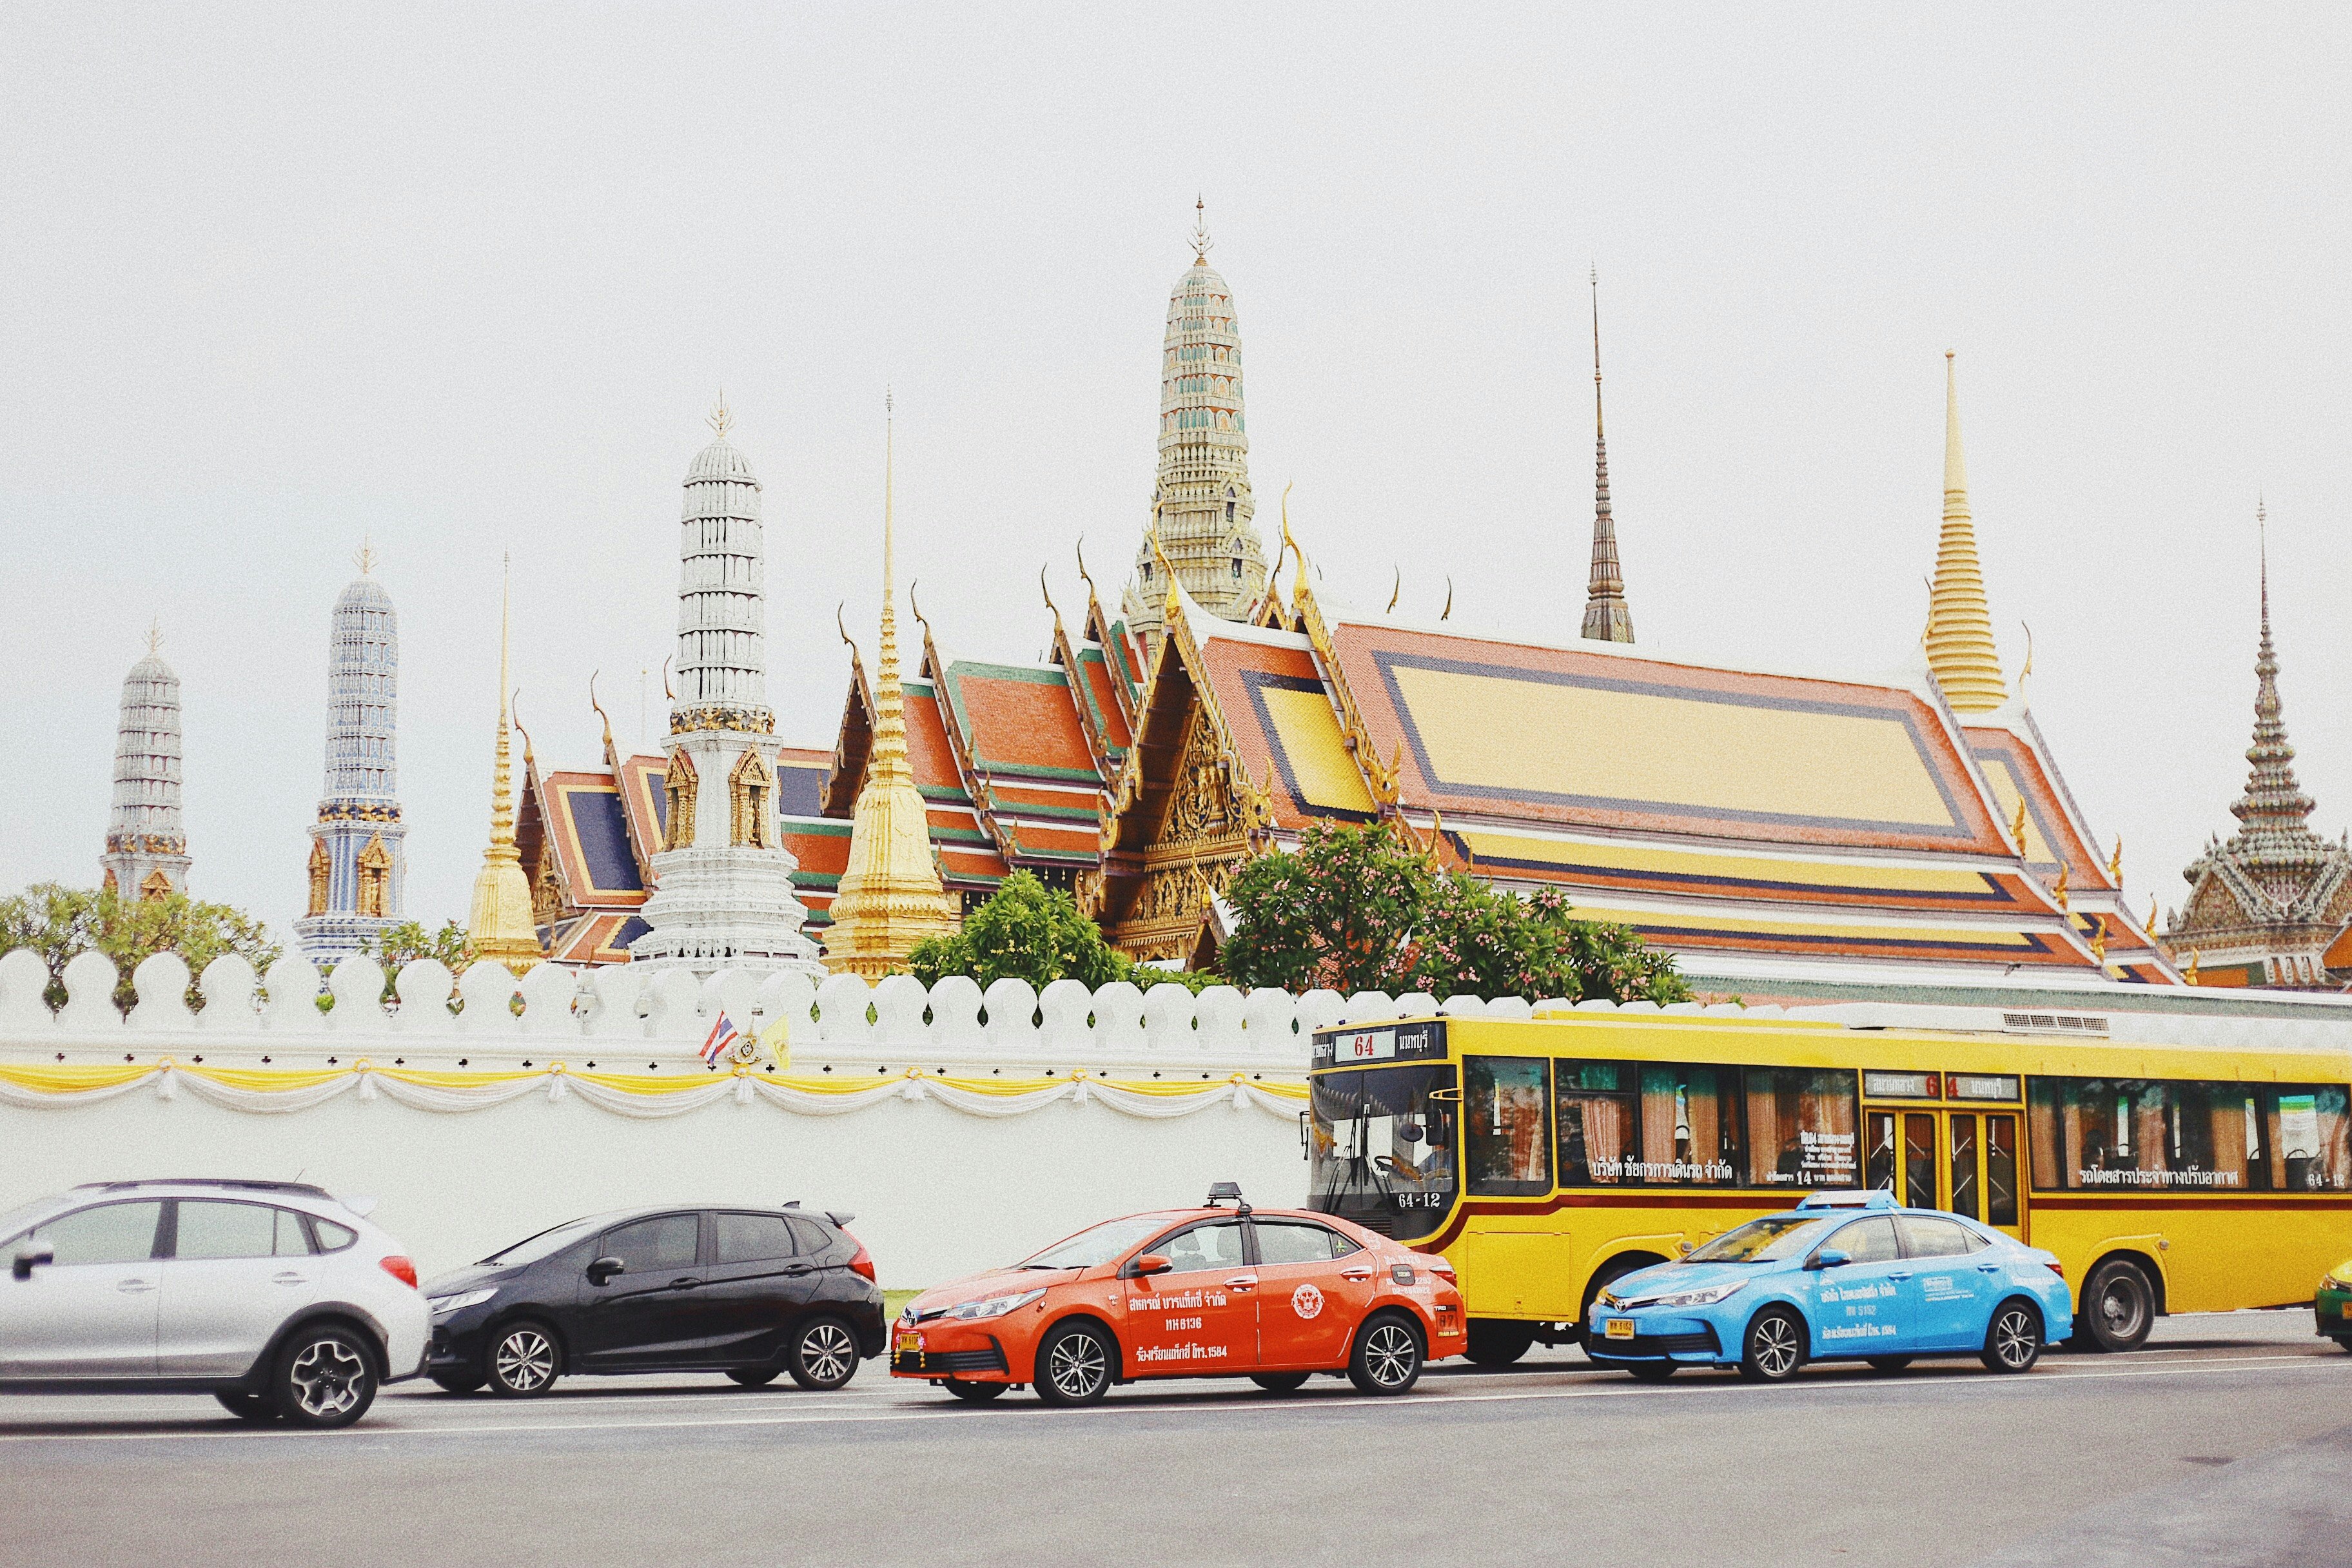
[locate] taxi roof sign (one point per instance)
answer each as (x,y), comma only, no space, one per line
(1848,1199)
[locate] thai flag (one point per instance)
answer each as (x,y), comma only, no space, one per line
(722,1035)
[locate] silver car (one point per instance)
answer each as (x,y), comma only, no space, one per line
(273,1297)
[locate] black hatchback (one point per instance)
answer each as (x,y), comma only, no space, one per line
(750,1293)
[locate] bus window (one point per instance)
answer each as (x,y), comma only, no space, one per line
(1622,1125)
(2112,1134)
(1878,1162)
(1919,1160)
(2001,1170)
(1506,1125)
(1801,1127)
(1964,1166)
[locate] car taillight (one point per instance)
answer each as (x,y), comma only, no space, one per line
(863,1262)
(2058,1268)
(400,1269)
(1435,1264)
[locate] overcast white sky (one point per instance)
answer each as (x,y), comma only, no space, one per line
(466,280)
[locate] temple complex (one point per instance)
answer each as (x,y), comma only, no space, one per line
(498,923)
(146,844)
(2269,907)
(722,887)
(1201,505)
(357,864)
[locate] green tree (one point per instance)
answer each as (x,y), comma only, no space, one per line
(1354,908)
(1027,930)
(60,923)
(405,942)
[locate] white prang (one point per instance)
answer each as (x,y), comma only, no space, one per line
(717,902)
(144,836)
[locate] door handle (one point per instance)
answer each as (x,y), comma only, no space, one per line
(289,1277)
(685,1282)
(1242,1282)
(1904,1275)
(1987,1268)
(135,1287)
(1355,1274)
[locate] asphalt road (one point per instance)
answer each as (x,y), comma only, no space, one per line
(2228,1442)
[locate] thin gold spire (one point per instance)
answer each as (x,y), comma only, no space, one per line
(501,925)
(1960,651)
(1607,616)
(365,559)
(720,421)
(890,896)
(1202,243)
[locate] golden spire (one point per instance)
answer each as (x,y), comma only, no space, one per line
(890,896)
(501,925)
(1201,244)
(1961,649)
(720,421)
(365,559)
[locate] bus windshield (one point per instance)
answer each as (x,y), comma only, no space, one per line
(1381,1149)
(1766,1240)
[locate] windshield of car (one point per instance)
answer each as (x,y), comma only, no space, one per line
(546,1244)
(1091,1248)
(1766,1240)
(15,1222)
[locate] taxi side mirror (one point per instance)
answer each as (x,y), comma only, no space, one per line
(31,1255)
(1148,1264)
(604,1269)
(1830,1257)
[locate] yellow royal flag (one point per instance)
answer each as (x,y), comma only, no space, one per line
(776,1040)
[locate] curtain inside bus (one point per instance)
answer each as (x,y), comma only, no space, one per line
(2121,1134)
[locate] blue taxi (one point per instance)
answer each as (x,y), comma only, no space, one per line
(1845,1276)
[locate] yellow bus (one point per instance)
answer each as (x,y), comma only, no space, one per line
(1546,1156)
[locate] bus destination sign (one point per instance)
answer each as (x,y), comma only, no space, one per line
(1376,1042)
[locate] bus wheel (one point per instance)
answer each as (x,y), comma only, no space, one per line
(1775,1346)
(2118,1307)
(1497,1343)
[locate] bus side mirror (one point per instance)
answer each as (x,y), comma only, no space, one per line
(1305,1136)
(1830,1257)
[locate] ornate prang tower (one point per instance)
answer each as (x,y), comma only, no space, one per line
(499,924)
(1200,506)
(357,863)
(1961,652)
(724,882)
(1607,617)
(892,896)
(146,847)
(2264,907)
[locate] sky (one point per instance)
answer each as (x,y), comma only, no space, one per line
(464,280)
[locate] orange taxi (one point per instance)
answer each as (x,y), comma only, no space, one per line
(1271,1295)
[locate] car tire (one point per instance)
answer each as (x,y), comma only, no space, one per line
(455,1381)
(1075,1363)
(1494,1342)
(1651,1370)
(1889,1363)
(2013,1338)
(324,1377)
(754,1376)
(256,1408)
(1388,1356)
(822,1355)
(523,1361)
(2343,1342)
(2118,1307)
(1280,1382)
(976,1393)
(1774,1346)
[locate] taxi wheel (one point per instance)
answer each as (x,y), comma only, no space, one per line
(1889,1362)
(975,1393)
(1775,1346)
(1651,1370)
(1280,1382)
(2013,1342)
(1074,1365)
(2118,1308)
(824,1354)
(1387,1358)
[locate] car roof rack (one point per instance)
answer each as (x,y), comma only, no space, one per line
(1850,1198)
(232,1184)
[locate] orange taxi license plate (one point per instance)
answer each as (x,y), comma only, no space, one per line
(910,1344)
(1617,1328)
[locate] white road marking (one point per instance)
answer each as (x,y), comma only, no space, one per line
(1332,1403)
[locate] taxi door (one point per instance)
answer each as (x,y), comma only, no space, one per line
(1314,1287)
(1867,1305)
(1200,1319)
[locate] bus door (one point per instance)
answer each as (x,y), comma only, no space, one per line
(1934,1154)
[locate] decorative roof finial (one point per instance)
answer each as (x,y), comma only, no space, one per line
(1396,590)
(2115,863)
(365,559)
(1201,244)
(601,714)
(720,421)
(1447,612)
(154,636)
(1607,616)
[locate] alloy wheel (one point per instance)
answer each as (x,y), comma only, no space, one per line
(1390,1355)
(1774,1346)
(525,1362)
(827,1354)
(2014,1340)
(326,1378)
(1078,1366)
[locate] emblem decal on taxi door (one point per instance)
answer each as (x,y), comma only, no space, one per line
(1307,1301)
